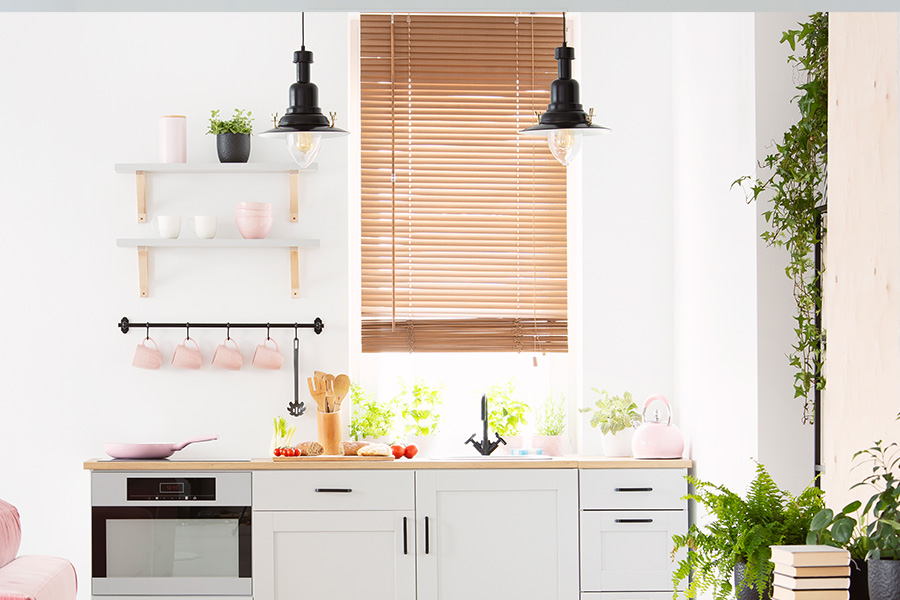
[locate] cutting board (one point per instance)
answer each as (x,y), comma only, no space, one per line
(331,457)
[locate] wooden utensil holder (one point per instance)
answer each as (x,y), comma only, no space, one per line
(330,432)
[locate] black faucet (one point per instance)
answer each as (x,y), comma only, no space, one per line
(485,446)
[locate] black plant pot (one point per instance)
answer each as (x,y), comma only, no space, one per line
(748,593)
(233,147)
(884,579)
(859,579)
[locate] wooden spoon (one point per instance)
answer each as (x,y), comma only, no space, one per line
(341,388)
(317,391)
(329,392)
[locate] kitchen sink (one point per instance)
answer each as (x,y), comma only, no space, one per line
(501,457)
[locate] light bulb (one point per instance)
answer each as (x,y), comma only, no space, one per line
(564,145)
(303,147)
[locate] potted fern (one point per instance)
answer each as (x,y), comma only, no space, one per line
(550,424)
(731,552)
(232,136)
(616,417)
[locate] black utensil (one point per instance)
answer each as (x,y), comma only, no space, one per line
(296,408)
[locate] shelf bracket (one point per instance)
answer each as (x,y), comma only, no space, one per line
(143,274)
(141,183)
(295,272)
(295,195)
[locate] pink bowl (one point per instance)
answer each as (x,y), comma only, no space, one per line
(255,205)
(253,213)
(254,228)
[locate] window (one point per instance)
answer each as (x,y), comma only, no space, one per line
(463,219)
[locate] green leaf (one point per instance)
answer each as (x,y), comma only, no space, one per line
(822,519)
(843,529)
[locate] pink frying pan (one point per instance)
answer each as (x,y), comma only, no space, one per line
(151,450)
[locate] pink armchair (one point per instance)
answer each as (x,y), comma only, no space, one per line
(30,577)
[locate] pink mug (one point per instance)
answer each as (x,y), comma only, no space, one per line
(186,357)
(146,357)
(266,358)
(226,358)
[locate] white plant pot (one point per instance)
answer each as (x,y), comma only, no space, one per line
(552,445)
(617,444)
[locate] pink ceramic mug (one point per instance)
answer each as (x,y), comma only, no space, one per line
(146,357)
(226,358)
(266,358)
(186,357)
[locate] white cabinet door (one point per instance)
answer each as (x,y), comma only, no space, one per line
(629,550)
(340,555)
(497,533)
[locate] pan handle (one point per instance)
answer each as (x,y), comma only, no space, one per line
(202,438)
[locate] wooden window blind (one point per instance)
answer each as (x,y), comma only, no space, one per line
(463,219)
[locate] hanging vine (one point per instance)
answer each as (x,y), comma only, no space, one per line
(796,185)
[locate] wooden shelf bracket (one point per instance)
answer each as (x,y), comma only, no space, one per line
(295,195)
(141,183)
(295,272)
(143,271)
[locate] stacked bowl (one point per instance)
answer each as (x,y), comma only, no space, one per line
(254,219)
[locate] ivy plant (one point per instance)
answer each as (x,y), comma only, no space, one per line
(506,412)
(794,181)
(612,414)
(419,407)
(741,530)
(370,418)
(239,123)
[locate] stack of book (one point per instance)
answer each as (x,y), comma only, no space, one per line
(811,573)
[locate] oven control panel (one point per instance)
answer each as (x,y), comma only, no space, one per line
(166,489)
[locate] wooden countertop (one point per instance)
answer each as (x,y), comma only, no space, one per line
(268,464)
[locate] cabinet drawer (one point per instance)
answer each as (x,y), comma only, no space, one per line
(631,489)
(629,550)
(626,596)
(334,490)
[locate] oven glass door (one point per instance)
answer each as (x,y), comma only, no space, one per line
(171,550)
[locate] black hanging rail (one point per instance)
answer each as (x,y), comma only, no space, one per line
(125,325)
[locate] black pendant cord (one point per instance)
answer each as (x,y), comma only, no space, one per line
(317,326)
(303,31)
(564,29)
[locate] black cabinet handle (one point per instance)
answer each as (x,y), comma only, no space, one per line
(635,489)
(634,520)
(405,548)
(333,490)
(426,535)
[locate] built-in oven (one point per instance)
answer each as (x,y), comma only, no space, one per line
(170,534)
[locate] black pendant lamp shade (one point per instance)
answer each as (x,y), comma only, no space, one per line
(565,110)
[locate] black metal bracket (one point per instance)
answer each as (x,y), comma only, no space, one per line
(317,325)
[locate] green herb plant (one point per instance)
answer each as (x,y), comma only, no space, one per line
(741,529)
(613,413)
(419,407)
(795,184)
(883,507)
(841,530)
(239,123)
(506,412)
(550,418)
(370,418)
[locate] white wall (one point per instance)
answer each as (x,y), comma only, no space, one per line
(627,274)
(80,93)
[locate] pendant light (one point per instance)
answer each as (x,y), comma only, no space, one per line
(565,122)
(303,124)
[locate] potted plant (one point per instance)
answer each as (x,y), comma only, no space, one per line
(843,530)
(550,424)
(371,420)
(506,413)
(419,409)
(883,529)
(731,552)
(232,137)
(616,417)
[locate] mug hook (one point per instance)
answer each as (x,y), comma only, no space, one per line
(268,337)
(188,327)
(227,331)
(148,332)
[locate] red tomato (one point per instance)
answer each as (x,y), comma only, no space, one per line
(277,451)
(411,451)
(397,450)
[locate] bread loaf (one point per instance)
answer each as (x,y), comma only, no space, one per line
(311,449)
(375,450)
(352,448)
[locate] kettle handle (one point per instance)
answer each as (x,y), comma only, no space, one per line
(647,405)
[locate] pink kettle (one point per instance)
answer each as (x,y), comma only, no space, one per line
(654,439)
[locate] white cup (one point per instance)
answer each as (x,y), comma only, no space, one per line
(168,227)
(203,226)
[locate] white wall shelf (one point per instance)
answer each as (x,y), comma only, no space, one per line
(141,170)
(144,244)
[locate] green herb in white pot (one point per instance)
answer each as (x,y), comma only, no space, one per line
(616,417)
